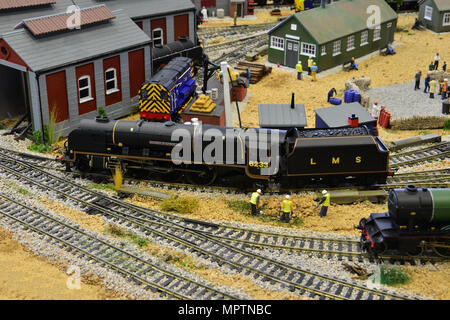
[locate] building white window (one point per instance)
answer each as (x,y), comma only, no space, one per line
(376,34)
(294,27)
(111,80)
(308,49)
(336,48)
(84,89)
(324,50)
(446,20)
(428,13)
(350,43)
(364,38)
(277,43)
(158,36)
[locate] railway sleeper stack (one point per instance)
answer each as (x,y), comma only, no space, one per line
(258,71)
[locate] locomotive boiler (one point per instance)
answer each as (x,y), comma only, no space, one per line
(418,219)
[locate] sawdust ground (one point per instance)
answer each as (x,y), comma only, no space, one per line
(91,222)
(28,277)
(340,218)
(416,52)
(432,281)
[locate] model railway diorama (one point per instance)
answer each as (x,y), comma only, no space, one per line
(152,149)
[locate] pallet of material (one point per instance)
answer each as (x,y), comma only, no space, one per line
(203,104)
(258,71)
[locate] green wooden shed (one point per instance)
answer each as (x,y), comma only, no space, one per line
(332,34)
(435,14)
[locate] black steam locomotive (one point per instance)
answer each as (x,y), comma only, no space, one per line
(418,219)
(249,156)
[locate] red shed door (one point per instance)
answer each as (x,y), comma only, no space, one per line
(137,71)
(57,95)
(181,23)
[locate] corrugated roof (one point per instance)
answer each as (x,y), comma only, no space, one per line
(14,4)
(57,50)
(49,24)
(145,8)
(342,18)
(10,19)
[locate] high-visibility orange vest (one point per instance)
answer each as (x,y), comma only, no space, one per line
(444,86)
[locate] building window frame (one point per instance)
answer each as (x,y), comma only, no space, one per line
(158,40)
(336,48)
(428,13)
(351,43)
(308,49)
(82,89)
(364,38)
(446,19)
(323,51)
(277,43)
(293,27)
(115,88)
(376,34)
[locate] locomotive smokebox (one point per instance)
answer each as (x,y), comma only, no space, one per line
(419,207)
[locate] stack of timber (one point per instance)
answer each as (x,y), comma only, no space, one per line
(258,71)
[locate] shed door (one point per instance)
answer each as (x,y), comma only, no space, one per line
(389,33)
(292,48)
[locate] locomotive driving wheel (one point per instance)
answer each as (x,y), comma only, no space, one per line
(442,248)
(203,178)
(417,251)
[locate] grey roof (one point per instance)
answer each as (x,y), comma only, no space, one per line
(281,116)
(337,117)
(146,8)
(340,19)
(442,5)
(42,54)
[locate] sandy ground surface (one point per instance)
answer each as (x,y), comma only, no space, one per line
(416,51)
(27,277)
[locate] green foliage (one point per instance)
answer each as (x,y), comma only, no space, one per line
(447,125)
(102,112)
(137,239)
(37,136)
(180,204)
(23,191)
(240,206)
(51,133)
(41,148)
(393,276)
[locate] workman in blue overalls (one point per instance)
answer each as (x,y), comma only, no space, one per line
(331,93)
(288,209)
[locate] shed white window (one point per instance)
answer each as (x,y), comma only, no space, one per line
(324,50)
(376,34)
(428,13)
(84,89)
(294,27)
(336,48)
(350,43)
(364,38)
(277,43)
(308,49)
(158,36)
(111,81)
(446,20)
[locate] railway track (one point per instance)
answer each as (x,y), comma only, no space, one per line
(79,242)
(212,32)
(432,152)
(429,178)
(157,226)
